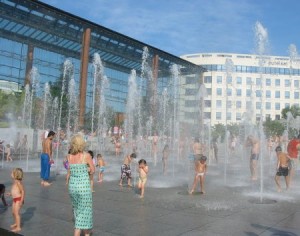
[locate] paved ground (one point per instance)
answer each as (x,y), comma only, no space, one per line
(231,208)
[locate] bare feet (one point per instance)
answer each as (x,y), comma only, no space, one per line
(191,192)
(141,196)
(16,230)
(46,184)
(279,190)
(13,226)
(129,185)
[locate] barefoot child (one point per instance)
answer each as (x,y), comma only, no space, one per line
(200,171)
(101,164)
(8,153)
(92,174)
(125,169)
(18,194)
(143,171)
(282,168)
(2,194)
(165,156)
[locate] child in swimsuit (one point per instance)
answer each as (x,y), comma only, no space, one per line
(143,172)
(92,174)
(8,153)
(125,169)
(200,171)
(18,194)
(101,164)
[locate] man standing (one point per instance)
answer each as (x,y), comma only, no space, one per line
(46,157)
(254,156)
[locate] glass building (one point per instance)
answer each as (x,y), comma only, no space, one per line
(36,35)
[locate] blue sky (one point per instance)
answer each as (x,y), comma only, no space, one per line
(194,26)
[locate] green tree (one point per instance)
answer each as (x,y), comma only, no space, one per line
(11,105)
(218,130)
(295,111)
(273,127)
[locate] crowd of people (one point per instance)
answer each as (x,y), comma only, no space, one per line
(81,166)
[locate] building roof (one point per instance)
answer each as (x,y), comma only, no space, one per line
(49,28)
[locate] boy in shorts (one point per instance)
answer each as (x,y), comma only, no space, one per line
(282,168)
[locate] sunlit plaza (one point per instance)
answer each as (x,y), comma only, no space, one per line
(63,73)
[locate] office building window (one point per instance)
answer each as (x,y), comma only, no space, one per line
(207,79)
(248,80)
(296,95)
(218,115)
(277,106)
(258,81)
(296,83)
(238,80)
(229,104)
(229,92)
(268,82)
(219,79)
(286,105)
(238,104)
(207,103)
(229,80)
(287,94)
(268,106)
(219,103)
(258,93)
(238,92)
(208,91)
(277,82)
(258,105)
(248,92)
(287,83)
(238,116)
(277,94)
(268,94)
(219,91)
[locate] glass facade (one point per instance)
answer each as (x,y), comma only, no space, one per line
(36,35)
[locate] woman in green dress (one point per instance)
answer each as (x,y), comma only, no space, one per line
(80,165)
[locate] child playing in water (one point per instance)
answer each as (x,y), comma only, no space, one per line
(18,194)
(8,153)
(101,164)
(143,171)
(165,156)
(2,194)
(125,169)
(200,171)
(92,175)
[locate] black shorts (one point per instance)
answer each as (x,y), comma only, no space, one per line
(283,171)
(254,157)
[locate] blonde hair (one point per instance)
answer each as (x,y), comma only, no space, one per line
(77,144)
(17,173)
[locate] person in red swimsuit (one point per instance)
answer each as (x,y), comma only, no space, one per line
(18,194)
(293,149)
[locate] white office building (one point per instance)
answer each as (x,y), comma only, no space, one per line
(253,87)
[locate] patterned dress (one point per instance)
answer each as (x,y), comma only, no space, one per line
(81,196)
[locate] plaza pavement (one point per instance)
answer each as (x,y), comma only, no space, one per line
(228,208)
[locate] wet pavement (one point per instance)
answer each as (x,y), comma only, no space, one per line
(233,205)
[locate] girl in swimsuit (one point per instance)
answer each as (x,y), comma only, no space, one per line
(17,193)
